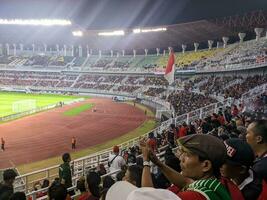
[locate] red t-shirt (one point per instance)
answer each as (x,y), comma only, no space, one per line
(182,131)
(152,144)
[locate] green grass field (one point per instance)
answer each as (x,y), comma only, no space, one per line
(8,98)
(77,110)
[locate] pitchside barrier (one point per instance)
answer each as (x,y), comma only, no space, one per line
(36,110)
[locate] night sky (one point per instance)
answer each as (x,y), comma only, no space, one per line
(105,14)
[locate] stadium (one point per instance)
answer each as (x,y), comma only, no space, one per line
(133,98)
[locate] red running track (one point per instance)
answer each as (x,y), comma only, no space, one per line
(48,134)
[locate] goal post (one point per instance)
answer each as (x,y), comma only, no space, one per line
(23,105)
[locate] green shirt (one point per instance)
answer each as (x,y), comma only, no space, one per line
(65,174)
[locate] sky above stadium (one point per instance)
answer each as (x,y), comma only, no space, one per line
(105,14)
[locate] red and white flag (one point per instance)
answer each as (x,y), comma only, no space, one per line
(169,72)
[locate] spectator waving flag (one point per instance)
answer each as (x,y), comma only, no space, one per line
(169,72)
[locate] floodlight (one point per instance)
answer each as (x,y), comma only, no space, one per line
(112,33)
(36,22)
(77,33)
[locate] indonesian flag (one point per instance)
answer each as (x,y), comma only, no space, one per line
(169,73)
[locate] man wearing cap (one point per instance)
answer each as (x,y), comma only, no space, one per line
(201,157)
(115,161)
(6,188)
(257,139)
(240,158)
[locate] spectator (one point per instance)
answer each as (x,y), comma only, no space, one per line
(58,191)
(101,169)
(237,168)
(152,142)
(133,175)
(115,161)
(108,181)
(3,144)
(81,187)
(257,139)
(201,157)
(6,188)
(65,172)
(18,196)
(93,181)
(125,191)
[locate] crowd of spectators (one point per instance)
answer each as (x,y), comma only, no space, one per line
(184,101)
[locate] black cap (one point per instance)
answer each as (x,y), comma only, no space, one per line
(239,152)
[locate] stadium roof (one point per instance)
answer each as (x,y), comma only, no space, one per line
(107,14)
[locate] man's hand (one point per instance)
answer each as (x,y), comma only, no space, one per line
(145,149)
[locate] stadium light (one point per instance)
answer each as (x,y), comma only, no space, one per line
(77,33)
(112,33)
(138,30)
(36,22)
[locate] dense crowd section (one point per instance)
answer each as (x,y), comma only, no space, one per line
(232,56)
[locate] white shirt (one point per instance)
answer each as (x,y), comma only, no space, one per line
(117,163)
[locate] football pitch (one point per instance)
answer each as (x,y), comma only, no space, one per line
(8,98)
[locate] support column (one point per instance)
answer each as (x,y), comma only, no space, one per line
(7,49)
(183,47)
(225,40)
(57,49)
(157,49)
(14,49)
(123,52)
(45,48)
(72,50)
(210,43)
(134,53)
(87,51)
(118,54)
(241,37)
(146,50)
(33,48)
(91,51)
(111,53)
(65,50)
(80,51)
(21,47)
(100,53)
(258,32)
(196,45)
(218,45)
(164,52)
(169,50)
